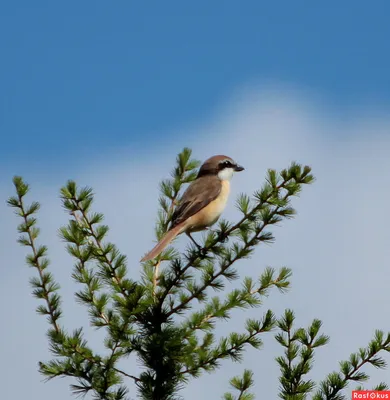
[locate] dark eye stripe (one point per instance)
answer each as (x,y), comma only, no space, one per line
(227,163)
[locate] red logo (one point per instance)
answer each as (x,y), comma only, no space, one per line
(370,394)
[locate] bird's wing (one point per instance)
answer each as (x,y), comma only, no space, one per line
(198,195)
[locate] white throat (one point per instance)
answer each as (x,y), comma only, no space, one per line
(226,174)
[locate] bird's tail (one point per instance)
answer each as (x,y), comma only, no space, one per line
(163,243)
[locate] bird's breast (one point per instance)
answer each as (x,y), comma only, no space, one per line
(208,215)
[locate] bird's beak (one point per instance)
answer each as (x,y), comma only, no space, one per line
(238,168)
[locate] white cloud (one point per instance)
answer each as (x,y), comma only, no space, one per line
(337,246)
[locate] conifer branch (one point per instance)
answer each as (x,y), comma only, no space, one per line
(76,359)
(101,316)
(80,249)
(335,382)
(299,345)
(242,385)
(44,287)
(380,387)
(203,357)
(92,371)
(85,236)
(113,264)
(248,296)
(134,378)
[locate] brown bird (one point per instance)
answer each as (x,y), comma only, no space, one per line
(202,203)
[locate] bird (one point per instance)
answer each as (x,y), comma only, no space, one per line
(202,202)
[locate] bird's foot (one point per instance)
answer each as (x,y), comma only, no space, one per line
(194,241)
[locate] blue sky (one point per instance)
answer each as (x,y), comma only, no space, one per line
(83,76)
(108,93)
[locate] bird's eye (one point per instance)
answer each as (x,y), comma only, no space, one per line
(227,164)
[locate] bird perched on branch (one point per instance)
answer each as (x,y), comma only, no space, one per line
(202,203)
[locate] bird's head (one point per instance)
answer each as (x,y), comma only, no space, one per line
(222,166)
